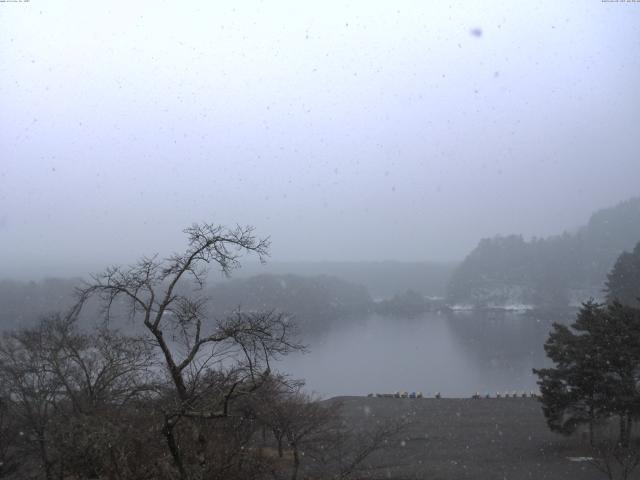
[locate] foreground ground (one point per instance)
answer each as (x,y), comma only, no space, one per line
(470,439)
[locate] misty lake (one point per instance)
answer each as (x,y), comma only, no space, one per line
(456,354)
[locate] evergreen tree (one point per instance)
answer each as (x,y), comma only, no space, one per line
(623,283)
(597,369)
(570,392)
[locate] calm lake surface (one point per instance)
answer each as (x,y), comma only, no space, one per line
(456,354)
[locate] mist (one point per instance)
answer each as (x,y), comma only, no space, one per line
(268,240)
(351,132)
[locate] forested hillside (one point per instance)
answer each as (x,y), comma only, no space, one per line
(554,271)
(315,301)
(383,279)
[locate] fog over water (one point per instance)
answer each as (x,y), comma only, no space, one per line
(456,354)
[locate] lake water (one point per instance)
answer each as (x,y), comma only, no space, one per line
(456,354)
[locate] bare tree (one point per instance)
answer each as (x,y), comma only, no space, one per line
(615,460)
(342,450)
(209,362)
(307,418)
(97,368)
(32,389)
(67,392)
(293,417)
(103,376)
(9,433)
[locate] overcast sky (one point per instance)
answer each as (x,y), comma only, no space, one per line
(367,131)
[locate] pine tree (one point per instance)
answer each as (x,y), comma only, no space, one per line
(623,282)
(570,395)
(597,369)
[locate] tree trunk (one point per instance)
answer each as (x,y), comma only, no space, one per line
(201,447)
(591,425)
(174,371)
(48,474)
(296,461)
(167,431)
(280,452)
(624,433)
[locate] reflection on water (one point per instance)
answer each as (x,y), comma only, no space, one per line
(454,353)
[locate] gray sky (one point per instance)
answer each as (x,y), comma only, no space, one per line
(361,131)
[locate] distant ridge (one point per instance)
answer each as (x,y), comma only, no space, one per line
(383,279)
(559,270)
